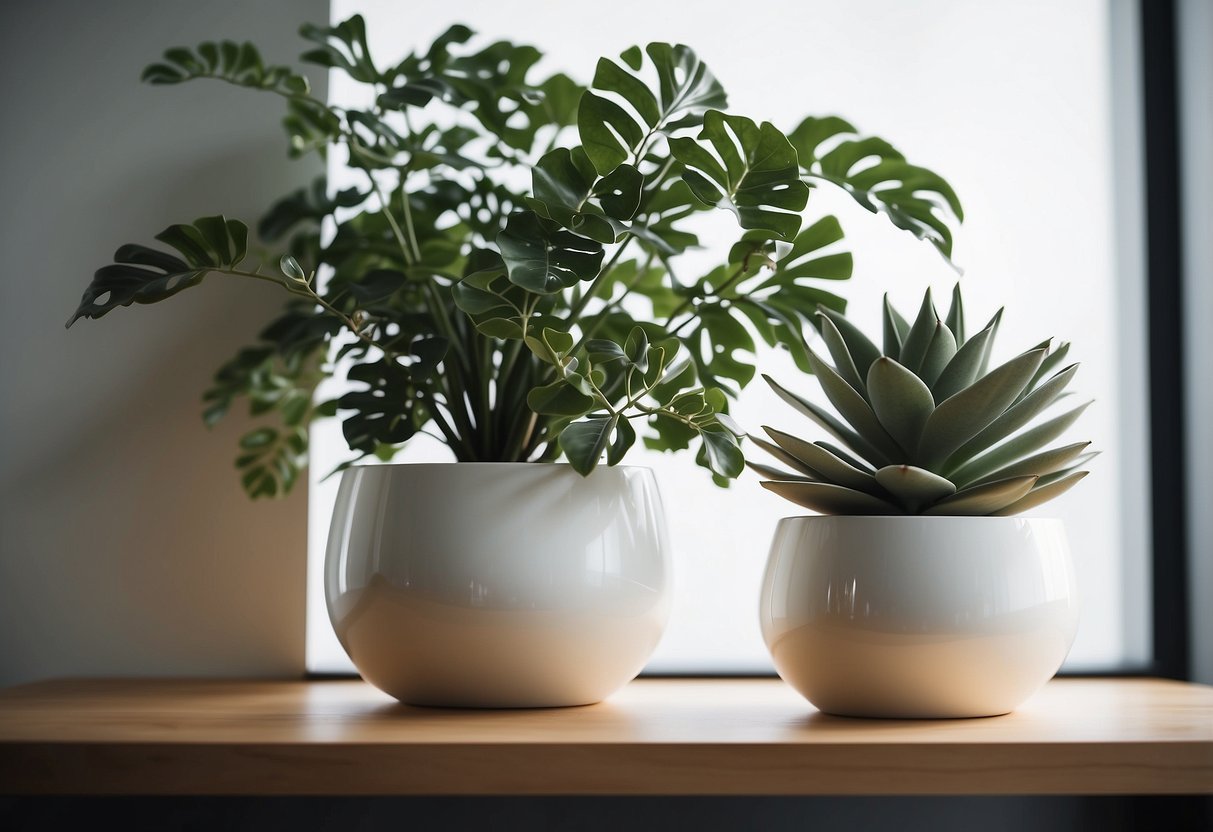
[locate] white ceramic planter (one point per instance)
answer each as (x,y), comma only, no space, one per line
(918,616)
(498,584)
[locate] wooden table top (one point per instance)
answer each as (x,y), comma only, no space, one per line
(656,736)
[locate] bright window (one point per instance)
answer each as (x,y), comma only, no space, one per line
(1018,105)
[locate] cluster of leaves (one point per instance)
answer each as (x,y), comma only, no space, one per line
(523,324)
(927,427)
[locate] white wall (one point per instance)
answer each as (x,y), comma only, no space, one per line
(1195,31)
(126,545)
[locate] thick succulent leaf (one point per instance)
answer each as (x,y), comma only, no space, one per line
(837,429)
(958,419)
(1050,364)
(686,90)
(1018,415)
(830,499)
(901,401)
(918,339)
(956,316)
(939,353)
(878,177)
(843,363)
(896,328)
(1043,494)
(914,488)
(145,275)
(236,63)
(750,170)
(1039,465)
(544,258)
(771,473)
(993,325)
(823,463)
(1018,446)
(863,352)
(985,499)
(1080,462)
(962,369)
(786,458)
(846,457)
(585,441)
(857,412)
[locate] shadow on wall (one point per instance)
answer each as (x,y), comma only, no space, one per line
(133,546)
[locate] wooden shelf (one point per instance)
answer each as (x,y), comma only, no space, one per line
(671,737)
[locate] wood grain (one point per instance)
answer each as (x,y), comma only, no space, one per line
(685,736)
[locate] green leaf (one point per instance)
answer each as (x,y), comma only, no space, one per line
(750,171)
(843,363)
(559,399)
(291,268)
(985,499)
(896,328)
(723,452)
(386,411)
(956,316)
(962,369)
(1042,494)
(145,275)
(901,401)
(1018,446)
(914,488)
(543,258)
(918,339)
(878,177)
(855,410)
(1040,465)
(1018,415)
(862,350)
(236,63)
(939,353)
(786,458)
(686,90)
(823,464)
(271,460)
(958,419)
(831,499)
(841,432)
(625,438)
(584,442)
(344,47)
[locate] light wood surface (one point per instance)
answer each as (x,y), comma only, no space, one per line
(678,736)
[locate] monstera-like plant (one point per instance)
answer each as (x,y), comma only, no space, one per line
(507,273)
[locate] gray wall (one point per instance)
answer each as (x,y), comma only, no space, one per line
(126,545)
(1195,30)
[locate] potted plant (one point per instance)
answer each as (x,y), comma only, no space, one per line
(507,278)
(920,593)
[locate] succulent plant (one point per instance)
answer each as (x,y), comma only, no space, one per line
(926,427)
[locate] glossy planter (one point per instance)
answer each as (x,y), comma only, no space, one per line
(508,585)
(918,616)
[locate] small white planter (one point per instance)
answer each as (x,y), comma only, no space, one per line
(918,616)
(498,584)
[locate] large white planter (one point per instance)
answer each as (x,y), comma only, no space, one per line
(918,616)
(498,584)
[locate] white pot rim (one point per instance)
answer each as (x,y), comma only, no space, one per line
(560,465)
(917,518)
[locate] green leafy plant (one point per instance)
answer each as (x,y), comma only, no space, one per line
(926,427)
(508,274)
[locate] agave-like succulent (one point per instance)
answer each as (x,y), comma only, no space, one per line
(927,428)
